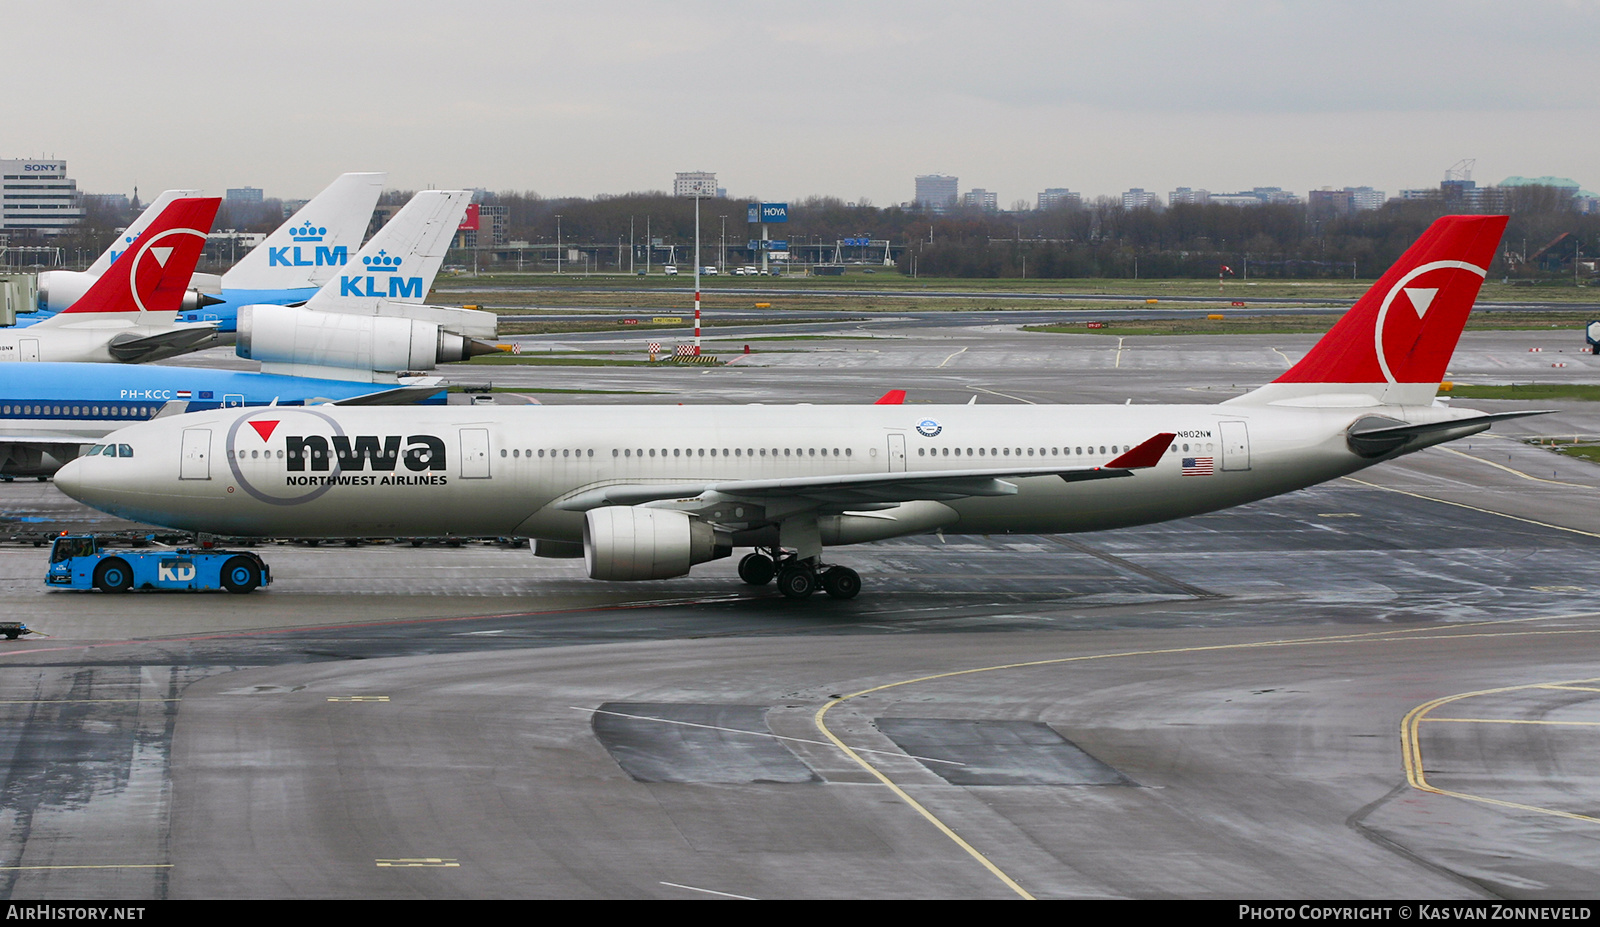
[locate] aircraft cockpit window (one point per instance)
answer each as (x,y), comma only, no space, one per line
(124,450)
(93,451)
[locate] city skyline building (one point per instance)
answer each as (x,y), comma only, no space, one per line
(695,183)
(1053,197)
(979,198)
(937,193)
(37,196)
(1140,198)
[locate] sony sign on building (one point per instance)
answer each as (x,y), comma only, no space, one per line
(37,195)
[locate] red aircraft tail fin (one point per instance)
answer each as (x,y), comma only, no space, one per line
(1406,326)
(154,272)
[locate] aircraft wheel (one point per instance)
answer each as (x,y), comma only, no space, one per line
(113,575)
(757,569)
(797,582)
(240,575)
(841,582)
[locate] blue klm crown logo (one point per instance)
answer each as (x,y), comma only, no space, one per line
(307,232)
(383,263)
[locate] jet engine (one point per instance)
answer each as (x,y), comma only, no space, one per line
(626,542)
(59,289)
(291,335)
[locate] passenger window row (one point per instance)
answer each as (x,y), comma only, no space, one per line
(116,411)
(1019,451)
(681,452)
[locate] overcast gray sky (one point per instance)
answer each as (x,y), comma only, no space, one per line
(850,99)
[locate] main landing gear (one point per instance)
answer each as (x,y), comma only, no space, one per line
(798,579)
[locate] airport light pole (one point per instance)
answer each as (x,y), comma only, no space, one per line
(558,242)
(697,273)
(722,250)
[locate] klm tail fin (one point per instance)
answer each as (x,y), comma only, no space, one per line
(1395,343)
(316,242)
(153,275)
(401,261)
(136,229)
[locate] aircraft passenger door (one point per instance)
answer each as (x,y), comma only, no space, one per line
(897,453)
(474,453)
(1235,445)
(30,349)
(196,463)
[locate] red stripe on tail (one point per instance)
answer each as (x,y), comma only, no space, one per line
(1406,326)
(153,273)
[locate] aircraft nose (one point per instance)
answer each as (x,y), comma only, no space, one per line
(69,479)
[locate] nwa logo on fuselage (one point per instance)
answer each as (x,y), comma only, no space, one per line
(307,250)
(356,453)
(385,267)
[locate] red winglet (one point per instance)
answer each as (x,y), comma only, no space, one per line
(1145,455)
(894,397)
(154,272)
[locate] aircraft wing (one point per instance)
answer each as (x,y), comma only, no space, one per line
(868,488)
(55,440)
(138,349)
(399,396)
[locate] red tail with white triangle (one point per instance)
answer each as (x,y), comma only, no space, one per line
(1406,326)
(153,273)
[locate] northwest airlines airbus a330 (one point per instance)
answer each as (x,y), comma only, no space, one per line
(648,492)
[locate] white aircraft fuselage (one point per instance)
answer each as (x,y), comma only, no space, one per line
(505,470)
(650,491)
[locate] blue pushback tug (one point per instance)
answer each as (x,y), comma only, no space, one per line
(77,561)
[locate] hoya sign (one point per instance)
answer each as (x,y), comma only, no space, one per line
(774,212)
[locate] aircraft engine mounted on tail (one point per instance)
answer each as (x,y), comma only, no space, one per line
(64,289)
(288,339)
(629,542)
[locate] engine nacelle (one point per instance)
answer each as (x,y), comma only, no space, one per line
(469,323)
(59,289)
(627,542)
(916,517)
(292,335)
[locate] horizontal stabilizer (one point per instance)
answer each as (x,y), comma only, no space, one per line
(138,349)
(1376,435)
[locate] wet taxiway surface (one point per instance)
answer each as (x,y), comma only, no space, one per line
(1379,687)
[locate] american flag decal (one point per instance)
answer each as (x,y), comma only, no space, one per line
(1198,466)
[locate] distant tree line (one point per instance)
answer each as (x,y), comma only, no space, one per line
(1094,239)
